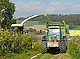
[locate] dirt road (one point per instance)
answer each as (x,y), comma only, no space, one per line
(61,56)
(53,56)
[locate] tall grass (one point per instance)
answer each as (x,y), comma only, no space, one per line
(74,47)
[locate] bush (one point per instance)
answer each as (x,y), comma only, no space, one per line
(14,42)
(74,47)
(31,30)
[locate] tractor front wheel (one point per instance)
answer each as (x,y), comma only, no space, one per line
(62,47)
(44,46)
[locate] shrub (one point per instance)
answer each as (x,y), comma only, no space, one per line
(31,30)
(14,42)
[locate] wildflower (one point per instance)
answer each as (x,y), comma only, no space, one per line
(1,33)
(5,51)
(28,53)
(15,38)
(7,30)
(6,36)
(24,37)
(2,28)
(29,34)
(5,46)
(9,51)
(16,34)
(1,37)
(13,34)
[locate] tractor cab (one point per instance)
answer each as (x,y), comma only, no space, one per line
(55,31)
(54,34)
(18,28)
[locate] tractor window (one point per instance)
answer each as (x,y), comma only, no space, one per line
(54,33)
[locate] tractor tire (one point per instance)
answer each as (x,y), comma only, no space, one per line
(44,46)
(62,46)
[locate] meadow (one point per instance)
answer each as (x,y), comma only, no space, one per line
(30,23)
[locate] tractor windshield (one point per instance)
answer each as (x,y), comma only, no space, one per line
(54,33)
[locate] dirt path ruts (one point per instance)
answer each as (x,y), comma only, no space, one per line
(58,56)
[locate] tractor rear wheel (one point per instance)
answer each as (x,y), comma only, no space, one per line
(63,47)
(44,46)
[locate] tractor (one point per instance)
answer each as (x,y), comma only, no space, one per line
(55,35)
(55,38)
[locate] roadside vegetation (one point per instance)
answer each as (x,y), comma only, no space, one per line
(44,56)
(74,47)
(16,46)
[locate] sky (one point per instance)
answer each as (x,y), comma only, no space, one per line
(26,8)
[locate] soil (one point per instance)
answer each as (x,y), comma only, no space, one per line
(37,27)
(59,56)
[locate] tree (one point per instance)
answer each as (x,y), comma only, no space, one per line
(7,10)
(71,25)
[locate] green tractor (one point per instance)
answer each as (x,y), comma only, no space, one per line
(55,38)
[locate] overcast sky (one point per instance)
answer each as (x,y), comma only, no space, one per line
(26,8)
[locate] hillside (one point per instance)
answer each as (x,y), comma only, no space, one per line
(72,19)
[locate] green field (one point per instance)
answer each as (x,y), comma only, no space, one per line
(30,23)
(75,29)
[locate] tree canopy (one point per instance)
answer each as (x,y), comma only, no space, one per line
(7,10)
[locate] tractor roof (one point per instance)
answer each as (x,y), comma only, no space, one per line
(53,27)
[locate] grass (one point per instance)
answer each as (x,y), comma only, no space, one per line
(44,56)
(74,47)
(30,23)
(20,56)
(25,55)
(19,21)
(75,29)
(67,56)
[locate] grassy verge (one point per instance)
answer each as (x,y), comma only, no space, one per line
(44,56)
(67,56)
